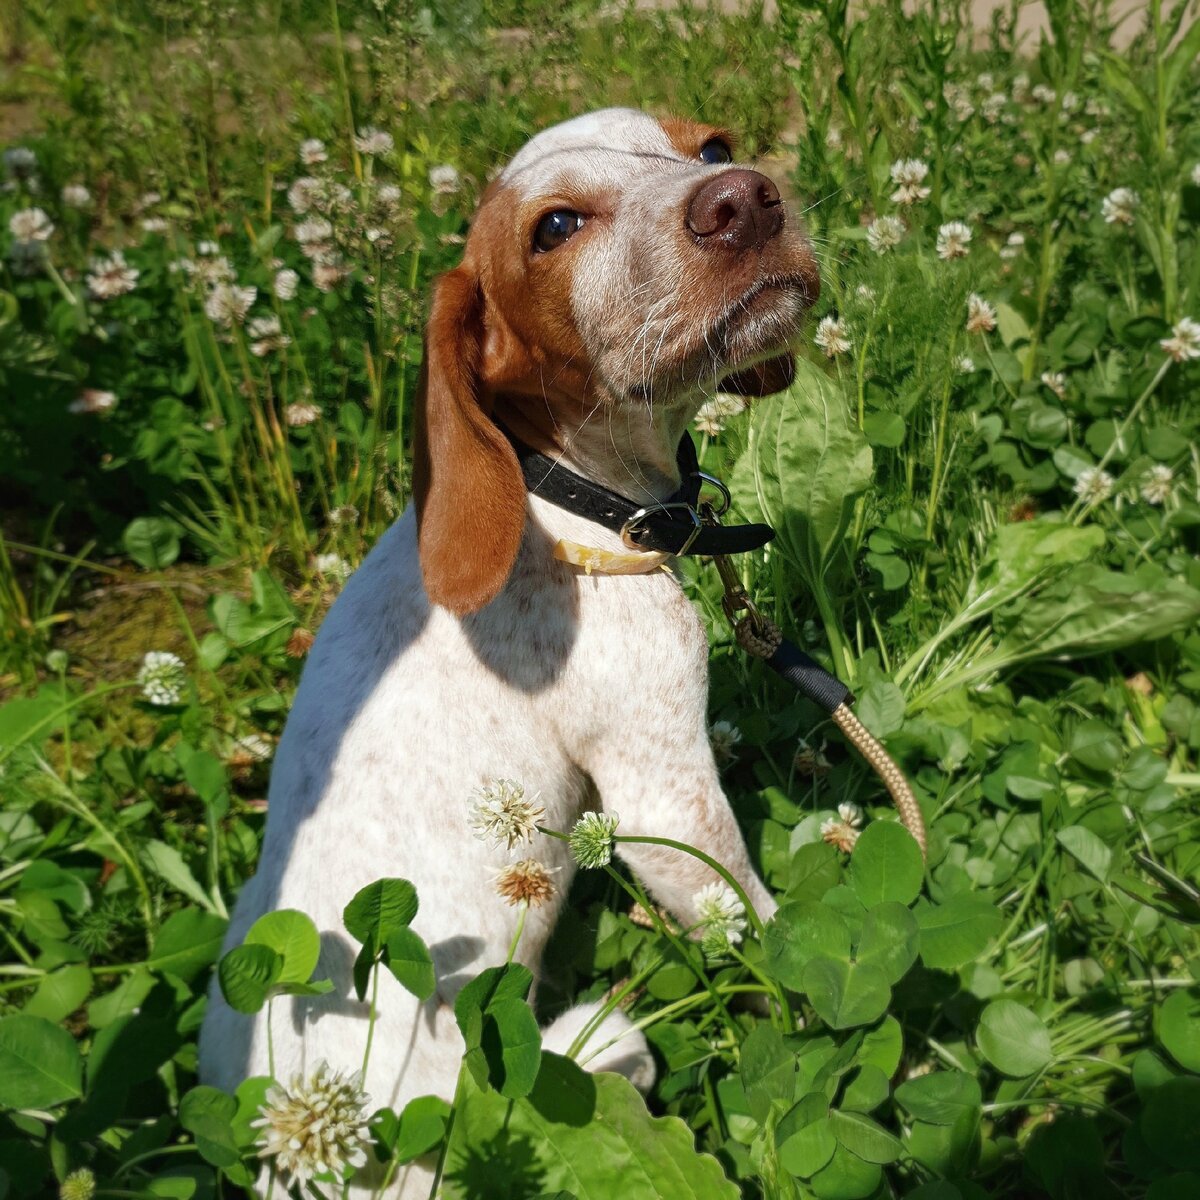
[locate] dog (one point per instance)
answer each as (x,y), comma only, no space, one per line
(618,271)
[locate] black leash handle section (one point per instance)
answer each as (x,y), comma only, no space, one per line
(807,675)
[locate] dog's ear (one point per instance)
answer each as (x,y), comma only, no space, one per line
(762,379)
(467,483)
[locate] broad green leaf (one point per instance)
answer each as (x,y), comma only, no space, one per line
(60,992)
(883,1046)
(957,931)
(867,1090)
(768,1069)
(207,1114)
(152,542)
(379,909)
(804,1137)
(940,1097)
(168,864)
(1169,1122)
(880,707)
(847,1177)
(502,1038)
(292,936)
(845,994)
(586,1134)
(798,932)
(187,941)
(1178,1027)
(863,1137)
(804,466)
(1087,849)
(251,1095)
(886,864)
(1096,745)
(40,1065)
(1013,1038)
(408,960)
(815,868)
(420,1127)
(889,939)
(247,974)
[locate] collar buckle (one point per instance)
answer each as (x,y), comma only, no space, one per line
(632,527)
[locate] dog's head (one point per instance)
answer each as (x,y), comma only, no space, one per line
(618,263)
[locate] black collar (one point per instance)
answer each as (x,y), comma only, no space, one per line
(672,525)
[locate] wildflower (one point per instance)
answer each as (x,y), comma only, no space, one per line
(526,881)
(93,400)
(1185,343)
(839,832)
(1156,485)
(501,814)
(111,276)
(148,200)
(155,225)
(30,225)
(953,240)
(1043,94)
(301,413)
(344,514)
(207,248)
(1062,157)
(1119,205)
(333,565)
(388,195)
(865,293)
(725,737)
(909,176)
(162,676)
(252,747)
(1020,87)
(1093,485)
(312,151)
(79,1185)
(713,414)
(214,270)
(285,283)
(1088,136)
(1069,102)
(885,232)
(985,81)
(721,915)
(312,233)
(832,337)
(267,335)
(965,364)
(373,141)
(993,106)
(981,316)
(304,193)
(75,195)
(591,840)
(444,179)
(228,304)
(328,274)
(315,1127)
(1056,381)
(300,643)
(833,138)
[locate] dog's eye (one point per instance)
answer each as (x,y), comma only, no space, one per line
(555,228)
(716,151)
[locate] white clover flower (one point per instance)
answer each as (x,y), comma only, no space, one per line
(388,195)
(839,833)
(832,336)
(312,152)
(111,276)
(1184,342)
(163,677)
(993,106)
(147,200)
(155,225)
(332,565)
(267,335)
(344,514)
(713,414)
(909,176)
(304,193)
(953,240)
(313,232)
(373,141)
(1093,485)
(501,814)
(527,881)
(301,413)
(1069,102)
(1056,381)
(884,233)
(965,364)
(207,248)
(328,273)
(1156,484)
(724,737)
(981,316)
(444,179)
(591,840)
(215,270)
(1043,94)
(30,225)
(316,1126)
(865,293)
(1020,86)
(228,304)
(1013,246)
(985,81)
(1119,206)
(721,915)
(1062,157)
(850,813)
(93,400)
(75,195)
(1088,136)
(286,282)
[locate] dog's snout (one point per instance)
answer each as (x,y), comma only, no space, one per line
(737,209)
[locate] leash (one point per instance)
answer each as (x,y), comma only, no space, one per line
(683,524)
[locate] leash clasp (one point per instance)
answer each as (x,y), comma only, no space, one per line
(632,527)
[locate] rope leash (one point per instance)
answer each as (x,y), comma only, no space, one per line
(763,639)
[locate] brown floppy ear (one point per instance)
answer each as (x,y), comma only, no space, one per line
(763,379)
(467,483)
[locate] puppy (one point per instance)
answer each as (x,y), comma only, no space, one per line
(618,271)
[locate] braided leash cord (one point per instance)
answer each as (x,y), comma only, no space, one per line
(762,638)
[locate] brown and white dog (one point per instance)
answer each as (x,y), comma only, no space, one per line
(617,271)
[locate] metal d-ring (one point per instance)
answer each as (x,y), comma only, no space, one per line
(629,530)
(726,498)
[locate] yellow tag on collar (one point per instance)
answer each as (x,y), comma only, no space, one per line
(609,562)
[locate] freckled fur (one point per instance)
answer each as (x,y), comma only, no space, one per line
(589,690)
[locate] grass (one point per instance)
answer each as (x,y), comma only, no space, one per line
(995,545)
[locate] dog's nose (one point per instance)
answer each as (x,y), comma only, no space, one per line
(738,209)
